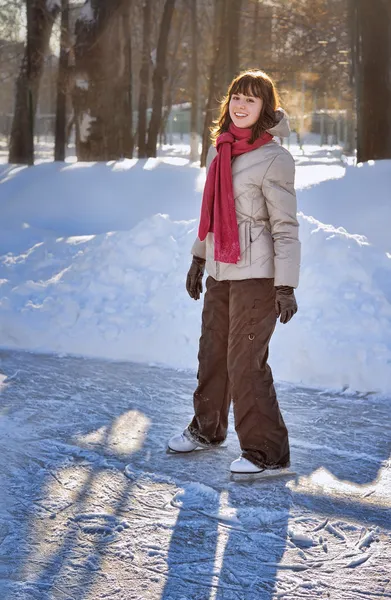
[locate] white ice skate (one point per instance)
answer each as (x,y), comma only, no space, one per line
(243,470)
(242,466)
(182,442)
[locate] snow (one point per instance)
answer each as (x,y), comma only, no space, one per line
(86,13)
(85,122)
(81,83)
(51,5)
(93,259)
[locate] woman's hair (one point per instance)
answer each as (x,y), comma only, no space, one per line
(255,83)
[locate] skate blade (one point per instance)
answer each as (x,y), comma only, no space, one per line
(267,475)
(199,449)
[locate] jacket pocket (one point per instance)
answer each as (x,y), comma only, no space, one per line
(245,243)
(261,246)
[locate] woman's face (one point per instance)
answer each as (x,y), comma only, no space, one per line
(245,110)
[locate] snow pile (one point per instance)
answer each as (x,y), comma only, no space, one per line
(93,260)
(360,202)
(120,295)
(342,334)
(88,198)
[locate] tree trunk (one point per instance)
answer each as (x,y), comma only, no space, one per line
(126,126)
(61,117)
(102,90)
(160,74)
(255,39)
(175,71)
(373,79)
(234,10)
(144,80)
(212,102)
(194,83)
(40,21)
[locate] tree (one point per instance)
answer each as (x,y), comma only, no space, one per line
(233,18)
(144,80)
(177,66)
(102,93)
(212,101)
(194,83)
(372,68)
(159,76)
(60,126)
(41,15)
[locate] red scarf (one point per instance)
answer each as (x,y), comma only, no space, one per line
(218,213)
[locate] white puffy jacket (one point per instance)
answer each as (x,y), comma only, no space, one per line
(265,202)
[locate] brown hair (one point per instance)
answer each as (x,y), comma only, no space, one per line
(250,83)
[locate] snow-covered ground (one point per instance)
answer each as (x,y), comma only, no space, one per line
(93,259)
(73,526)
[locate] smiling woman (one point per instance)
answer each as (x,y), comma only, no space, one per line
(248,242)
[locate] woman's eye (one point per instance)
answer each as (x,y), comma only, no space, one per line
(250,100)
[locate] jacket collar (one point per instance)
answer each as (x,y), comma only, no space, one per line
(282,128)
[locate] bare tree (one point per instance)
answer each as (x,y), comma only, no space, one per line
(194,82)
(40,18)
(212,100)
(60,126)
(125,121)
(159,76)
(102,82)
(372,27)
(177,66)
(254,37)
(233,18)
(144,80)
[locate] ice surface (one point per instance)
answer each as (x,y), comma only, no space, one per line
(72,525)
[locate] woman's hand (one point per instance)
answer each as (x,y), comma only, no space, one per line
(194,277)
(286,305)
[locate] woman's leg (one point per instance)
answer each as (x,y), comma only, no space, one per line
(262,433)
(212,397)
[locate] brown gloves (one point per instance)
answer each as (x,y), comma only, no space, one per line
(194,277)
(286,305)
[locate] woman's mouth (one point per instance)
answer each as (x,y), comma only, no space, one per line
(240,115)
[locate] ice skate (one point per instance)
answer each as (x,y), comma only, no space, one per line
(182,443)
(244,470)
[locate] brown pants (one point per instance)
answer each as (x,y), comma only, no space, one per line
(238,320)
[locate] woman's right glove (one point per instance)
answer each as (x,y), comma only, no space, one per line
(194,277)
(286,305)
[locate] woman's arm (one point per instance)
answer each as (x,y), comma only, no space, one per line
(279,191)
(199,248)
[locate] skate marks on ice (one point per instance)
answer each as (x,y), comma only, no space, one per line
(268,550)
(73,525)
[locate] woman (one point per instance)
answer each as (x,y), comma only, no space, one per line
(248,238)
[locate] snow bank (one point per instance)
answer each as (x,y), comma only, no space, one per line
(360,202)
(342,333)
(94,258)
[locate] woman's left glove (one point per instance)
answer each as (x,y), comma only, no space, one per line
(194,277)
(286,305)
